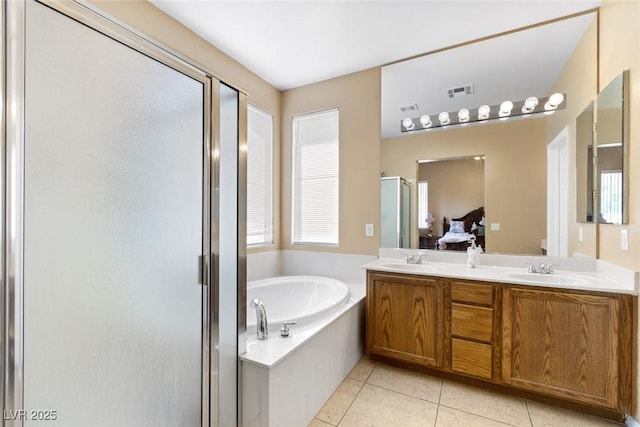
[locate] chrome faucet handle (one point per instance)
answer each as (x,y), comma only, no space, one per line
(531,268)
(285,332)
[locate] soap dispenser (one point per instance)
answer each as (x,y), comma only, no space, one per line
(473,255)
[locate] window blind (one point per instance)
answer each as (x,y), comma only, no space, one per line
(259,177)
(423,204)
(611,196)
(315,178)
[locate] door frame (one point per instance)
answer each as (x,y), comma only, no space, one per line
(558,194)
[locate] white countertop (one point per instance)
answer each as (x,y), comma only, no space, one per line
(565,279)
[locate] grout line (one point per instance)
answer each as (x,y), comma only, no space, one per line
(435,422)
(402,393)
(351,404)
(526,403)
(481,416)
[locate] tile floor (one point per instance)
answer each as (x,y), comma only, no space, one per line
(374,394)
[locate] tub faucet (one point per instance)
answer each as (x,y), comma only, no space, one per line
(262,327)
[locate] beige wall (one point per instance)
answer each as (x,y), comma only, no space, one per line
(515,165)
(456,187)
(619,50)
(158,26)
(578,79)
(358,98)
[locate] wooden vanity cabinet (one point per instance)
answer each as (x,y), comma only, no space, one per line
(405,318)
(572,345)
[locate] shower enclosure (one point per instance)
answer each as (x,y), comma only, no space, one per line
(117,154)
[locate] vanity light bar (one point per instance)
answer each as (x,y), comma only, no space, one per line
(484,113)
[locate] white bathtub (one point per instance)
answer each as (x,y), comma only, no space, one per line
(300,298)
(326,342)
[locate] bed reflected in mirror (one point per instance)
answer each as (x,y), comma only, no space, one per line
(451,203)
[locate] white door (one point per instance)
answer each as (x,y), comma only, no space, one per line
(557,195)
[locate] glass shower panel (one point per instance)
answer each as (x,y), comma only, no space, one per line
(113,231)
(228,257)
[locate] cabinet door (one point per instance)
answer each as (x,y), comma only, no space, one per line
(404,318)
(562,344)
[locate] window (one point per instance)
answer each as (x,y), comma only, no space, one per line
(315,178)
(259,177)
(423,204)
(611,196)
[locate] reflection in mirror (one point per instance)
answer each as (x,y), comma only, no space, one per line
(555,57)
(612,129)
(394,212)
(453,188)
(584,165)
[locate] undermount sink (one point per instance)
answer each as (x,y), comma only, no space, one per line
(556,279)
(426,267)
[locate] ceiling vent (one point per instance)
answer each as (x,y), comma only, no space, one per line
(461,91)
(409,108)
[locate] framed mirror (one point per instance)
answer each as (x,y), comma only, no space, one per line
(585,156)
(559,57)
(612,158)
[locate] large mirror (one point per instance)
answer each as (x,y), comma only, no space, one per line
(612,177)
(585,156)
(556,57)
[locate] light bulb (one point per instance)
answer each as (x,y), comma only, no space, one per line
(529,105)
(505,108)
(463,115)
(444,118)
(556,99)
(408,124)
(425,121)
(483,112)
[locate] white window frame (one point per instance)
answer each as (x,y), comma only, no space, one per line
(260,233)
(611,196)
(317,223)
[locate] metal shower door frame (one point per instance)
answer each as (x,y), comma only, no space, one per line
(12,128)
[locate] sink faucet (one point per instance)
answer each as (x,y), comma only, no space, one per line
(413,259)
(542,268)
(262,327)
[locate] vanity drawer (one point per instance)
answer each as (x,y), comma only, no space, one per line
(472,322)
(472,294)
(471,358)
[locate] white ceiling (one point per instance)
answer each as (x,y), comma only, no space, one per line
(293,43)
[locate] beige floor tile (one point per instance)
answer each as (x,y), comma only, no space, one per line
(379,407)
(486,403)
(551,416)
(363,368)
(317,423)
(448,417)
(337,405)
(407,382)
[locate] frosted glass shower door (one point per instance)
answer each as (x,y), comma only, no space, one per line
(113,231)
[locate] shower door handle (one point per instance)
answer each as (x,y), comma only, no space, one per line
(203,265)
